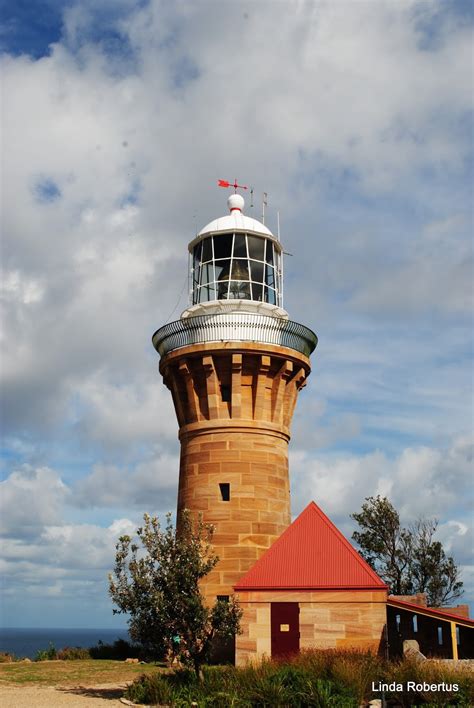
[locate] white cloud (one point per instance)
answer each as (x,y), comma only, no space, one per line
(122,414)
(29,499)
(420,481)
(151,485)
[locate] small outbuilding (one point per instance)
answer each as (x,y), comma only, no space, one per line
(311,589)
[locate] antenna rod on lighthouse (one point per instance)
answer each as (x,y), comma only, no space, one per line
(264,204)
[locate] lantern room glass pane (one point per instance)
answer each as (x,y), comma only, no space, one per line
(206,250)
(206,293)
(223,289)
(239,290)
(270,276)
(270,296)
(223,246)
(197,255)
(207,273)
(222,269)
(256,247)
(269,252)
(240,247)
(257,292)
(240,269)
(256,270)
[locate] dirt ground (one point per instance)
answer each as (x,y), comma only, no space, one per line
(56,696)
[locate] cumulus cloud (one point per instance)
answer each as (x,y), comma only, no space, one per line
(29,499)
(122,414)
(419,481)
(150,482)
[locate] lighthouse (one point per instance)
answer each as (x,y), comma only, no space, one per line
(234,363)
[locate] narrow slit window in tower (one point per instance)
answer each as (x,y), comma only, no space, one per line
(225,491)
(226,393)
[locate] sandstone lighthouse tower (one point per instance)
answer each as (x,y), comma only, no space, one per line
(234,363)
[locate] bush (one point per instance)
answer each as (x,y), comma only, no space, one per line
(117,651)
(73,654)
(48,654)
(153,689)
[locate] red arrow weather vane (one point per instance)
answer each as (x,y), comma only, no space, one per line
(224,183)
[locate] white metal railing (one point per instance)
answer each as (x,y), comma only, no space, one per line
(234,327)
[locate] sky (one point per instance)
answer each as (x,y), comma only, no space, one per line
(118,119)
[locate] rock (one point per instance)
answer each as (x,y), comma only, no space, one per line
(132,661)
(411,649)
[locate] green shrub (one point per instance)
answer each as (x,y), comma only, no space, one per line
(117,651)
(356,671)
(151,688)
(48,654)
(73,654)
(182,677)
(322,693)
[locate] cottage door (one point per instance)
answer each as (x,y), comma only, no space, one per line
(285,628)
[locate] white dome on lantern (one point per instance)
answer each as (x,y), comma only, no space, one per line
(235,221)
(236,201)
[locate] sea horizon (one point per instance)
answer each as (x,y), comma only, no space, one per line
(25,642)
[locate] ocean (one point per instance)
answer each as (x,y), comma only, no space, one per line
(26,642)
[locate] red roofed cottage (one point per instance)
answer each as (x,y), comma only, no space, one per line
(310,589)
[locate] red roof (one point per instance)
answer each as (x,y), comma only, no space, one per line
(430,611)
(311,554)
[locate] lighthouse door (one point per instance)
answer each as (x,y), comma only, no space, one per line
(285,628)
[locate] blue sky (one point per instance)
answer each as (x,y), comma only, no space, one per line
(355,118)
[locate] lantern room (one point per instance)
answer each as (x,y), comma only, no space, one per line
(236,260)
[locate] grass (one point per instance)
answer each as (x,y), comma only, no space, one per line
(85,671)
(323,679)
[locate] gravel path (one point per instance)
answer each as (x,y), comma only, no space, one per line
(57,696)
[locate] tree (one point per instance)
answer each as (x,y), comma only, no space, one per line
(158,586)
(409,560)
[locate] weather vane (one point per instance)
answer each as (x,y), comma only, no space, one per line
(224,183)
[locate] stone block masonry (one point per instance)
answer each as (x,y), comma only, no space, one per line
(234,402)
